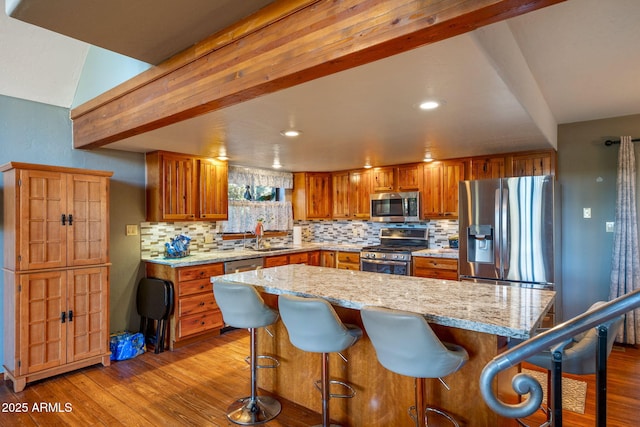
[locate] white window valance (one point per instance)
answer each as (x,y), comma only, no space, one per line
(260,177)
(243,216)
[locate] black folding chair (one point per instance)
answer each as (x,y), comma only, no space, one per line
(154,301)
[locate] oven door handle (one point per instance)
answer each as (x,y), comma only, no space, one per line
(385,262)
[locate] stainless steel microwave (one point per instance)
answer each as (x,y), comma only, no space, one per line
(395,207)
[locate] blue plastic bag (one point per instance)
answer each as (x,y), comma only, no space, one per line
(126,345)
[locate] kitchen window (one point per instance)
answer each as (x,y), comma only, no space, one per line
(257,194)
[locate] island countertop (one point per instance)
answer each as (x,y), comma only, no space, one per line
(501,310)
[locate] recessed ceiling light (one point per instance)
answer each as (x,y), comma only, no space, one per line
(429,105)
(427,157)
(222,154)
(291,133)
(367,165)
(276,165)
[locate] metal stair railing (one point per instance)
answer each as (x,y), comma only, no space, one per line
(523,383)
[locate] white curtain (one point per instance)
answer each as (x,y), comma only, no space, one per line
(243,216)
(260,177)
(625,269)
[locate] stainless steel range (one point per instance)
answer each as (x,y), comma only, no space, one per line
(393,254)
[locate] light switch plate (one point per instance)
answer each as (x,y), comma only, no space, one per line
(131,230)
(586,212)
(609,226)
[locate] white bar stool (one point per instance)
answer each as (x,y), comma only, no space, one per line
(243,307)
(314,326)
(406,344)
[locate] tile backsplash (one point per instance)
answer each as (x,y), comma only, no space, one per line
(207,237)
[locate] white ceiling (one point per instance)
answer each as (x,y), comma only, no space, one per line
(505,87)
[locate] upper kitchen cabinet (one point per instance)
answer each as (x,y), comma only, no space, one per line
(213,197)
(57,217)
(533,163)
(312,195)
(350,194)
(410,177)
(340,195)
(440,189)
(384,179)
(488,167)
(359,192)
(185,188)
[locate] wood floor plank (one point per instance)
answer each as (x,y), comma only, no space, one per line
(193,386)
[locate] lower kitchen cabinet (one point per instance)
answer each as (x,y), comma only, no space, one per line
(309,258)
(314,258)
(195,314)
(276,260)
(61,322)
(328,259)
(348,260)
(435,268)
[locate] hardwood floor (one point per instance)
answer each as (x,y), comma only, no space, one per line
(193,386)
(623,392)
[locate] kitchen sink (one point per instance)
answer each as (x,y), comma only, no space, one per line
(272,249)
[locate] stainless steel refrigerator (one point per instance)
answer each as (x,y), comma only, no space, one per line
(507,231)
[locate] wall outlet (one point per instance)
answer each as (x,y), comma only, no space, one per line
(208,238)
(609,226)
(586,212)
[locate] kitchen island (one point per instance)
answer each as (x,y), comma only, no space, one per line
(479,317)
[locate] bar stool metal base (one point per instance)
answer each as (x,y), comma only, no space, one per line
(247,411)
(443,414)
(420,417)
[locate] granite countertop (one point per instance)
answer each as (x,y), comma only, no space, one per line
(494,309)
(237,254)
(437,253)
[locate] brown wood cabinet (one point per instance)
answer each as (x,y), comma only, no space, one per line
(384,179)
(312,195)
(56,270)
(185,188)
(195,314)
(534,163)
(276,260)
(488,167)
(350,194)
(410,177)
(328,259)
(359,192)
(340,195)
(314,258)
(348,260)
(213,193)
(440,189)
(309,258)
(435,268)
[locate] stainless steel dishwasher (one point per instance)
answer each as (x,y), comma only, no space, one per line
(236,267)
(243,265)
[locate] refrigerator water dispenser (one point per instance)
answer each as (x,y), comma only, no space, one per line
(480,244)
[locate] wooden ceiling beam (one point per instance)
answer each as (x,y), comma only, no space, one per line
(292,42)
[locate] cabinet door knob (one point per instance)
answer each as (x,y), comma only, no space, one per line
(64,219)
